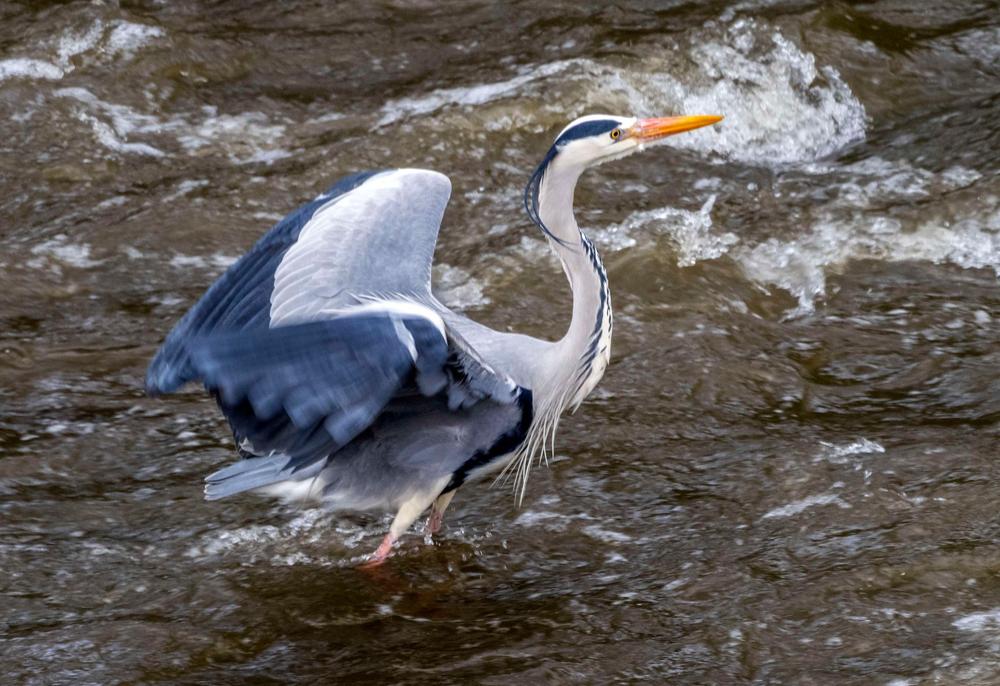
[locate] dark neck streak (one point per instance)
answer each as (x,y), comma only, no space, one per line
(600,337)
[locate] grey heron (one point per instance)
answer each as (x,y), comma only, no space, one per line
(345,380)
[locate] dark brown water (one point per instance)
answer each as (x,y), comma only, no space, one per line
(788,474)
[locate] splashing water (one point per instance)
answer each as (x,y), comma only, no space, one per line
(780,107)
(689,231)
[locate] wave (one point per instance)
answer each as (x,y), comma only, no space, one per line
(26,68)
(859,223)
(244,138)
(689,231)
(100,42)
(798,506)
(457,289)
(780,107)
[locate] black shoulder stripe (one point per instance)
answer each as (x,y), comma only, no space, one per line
(505,444)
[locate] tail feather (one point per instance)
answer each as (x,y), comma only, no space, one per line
(246,475)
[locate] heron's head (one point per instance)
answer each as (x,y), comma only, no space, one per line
(597,138)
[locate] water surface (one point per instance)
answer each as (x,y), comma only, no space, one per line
(786,476)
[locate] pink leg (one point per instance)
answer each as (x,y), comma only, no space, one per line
(381,554)
(437,513)
(405,516)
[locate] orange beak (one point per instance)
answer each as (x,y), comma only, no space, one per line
(647,130)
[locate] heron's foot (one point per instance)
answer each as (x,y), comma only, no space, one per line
(381,554)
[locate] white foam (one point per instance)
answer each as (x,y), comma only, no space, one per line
(606,535)
(979,621)
(185,187)
(126,38)
(222,542)
(548,519)
(958,176)
(797,506)
(981,44)
(972,242)
(58,248)
(73,43)
(109,137)
(533,517)
(690,231)
(216,262)
(844,231)
(114,201)
(121,39)
(796,266)
(24,68)
(780,106)
(263,156)
(308,528)
(77,428)
(481,94)
(118,40)
(837,453)
(457,289)
(112,124)
(859,447)
(245,138)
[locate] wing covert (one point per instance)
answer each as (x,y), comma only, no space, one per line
(372,232)
(377,239)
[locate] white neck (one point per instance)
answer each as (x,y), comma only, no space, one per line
(579,358)
(584,351)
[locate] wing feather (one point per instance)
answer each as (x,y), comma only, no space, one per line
(326,322)
(240,298)
(378,239)
(339,372)
(296,395)
(372,232)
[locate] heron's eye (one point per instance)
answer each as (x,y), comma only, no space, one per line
(616,134)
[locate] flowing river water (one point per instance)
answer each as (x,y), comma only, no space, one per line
(787,475)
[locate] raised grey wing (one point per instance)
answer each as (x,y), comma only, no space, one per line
(328,320)
(240,299)
(371,232)
(377,239)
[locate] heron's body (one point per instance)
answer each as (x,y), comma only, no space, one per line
(346,380)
